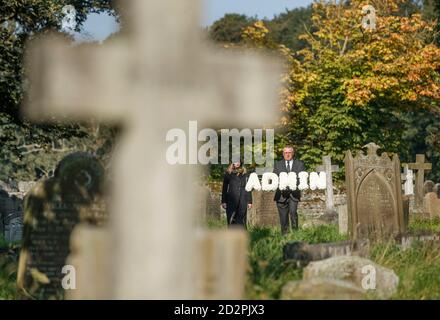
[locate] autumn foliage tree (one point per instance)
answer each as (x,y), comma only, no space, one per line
(352,85)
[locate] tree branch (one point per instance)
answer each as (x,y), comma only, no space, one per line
(344,47)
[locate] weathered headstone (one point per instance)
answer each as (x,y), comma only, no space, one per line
(374,192)
(328,168)
(421,167)
(52,209)
(303,253)
(264,212)
(157,64)
(431,205)
(428,187)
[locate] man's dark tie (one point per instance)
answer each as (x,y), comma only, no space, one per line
(288,166)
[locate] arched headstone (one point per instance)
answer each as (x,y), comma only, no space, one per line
(428,187)
(375,206)
(51,210)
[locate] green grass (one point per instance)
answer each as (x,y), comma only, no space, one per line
(418,267)
(8,276)
(424,225)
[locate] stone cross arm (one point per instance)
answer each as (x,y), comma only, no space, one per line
(420,164)
(327,166)
(108,82)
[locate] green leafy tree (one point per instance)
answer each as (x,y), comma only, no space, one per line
(229,28)
(286,27)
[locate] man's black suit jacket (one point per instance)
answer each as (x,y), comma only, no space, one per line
(297,167)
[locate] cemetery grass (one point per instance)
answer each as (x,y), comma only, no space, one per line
(8,271)
(418,267)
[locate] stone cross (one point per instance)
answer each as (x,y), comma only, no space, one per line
(421,167)
(328,168)
(156,76)
(408,177)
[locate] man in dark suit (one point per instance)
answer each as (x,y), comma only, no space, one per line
(287,200)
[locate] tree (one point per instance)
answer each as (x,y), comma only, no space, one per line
(286,27)
(352,85)
(23,144)
(229,28)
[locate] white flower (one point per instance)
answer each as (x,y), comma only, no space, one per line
(269,181)
(318,181)
(303,180)
(253,183)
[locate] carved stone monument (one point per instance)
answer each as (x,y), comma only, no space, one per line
(374,191)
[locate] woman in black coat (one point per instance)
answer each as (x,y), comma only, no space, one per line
(235,199)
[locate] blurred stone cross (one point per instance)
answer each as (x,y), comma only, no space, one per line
(421,167)
(328,168)
(156,76)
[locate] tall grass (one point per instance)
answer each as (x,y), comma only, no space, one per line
(418,267)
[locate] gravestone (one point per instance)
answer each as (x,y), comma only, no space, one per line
(421,167)
(264,212)
(52,209)
(13,226)
(328,168)
(374,192)
(154,65)
(11,216)
(428,187)
(303,253)
(431,205)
